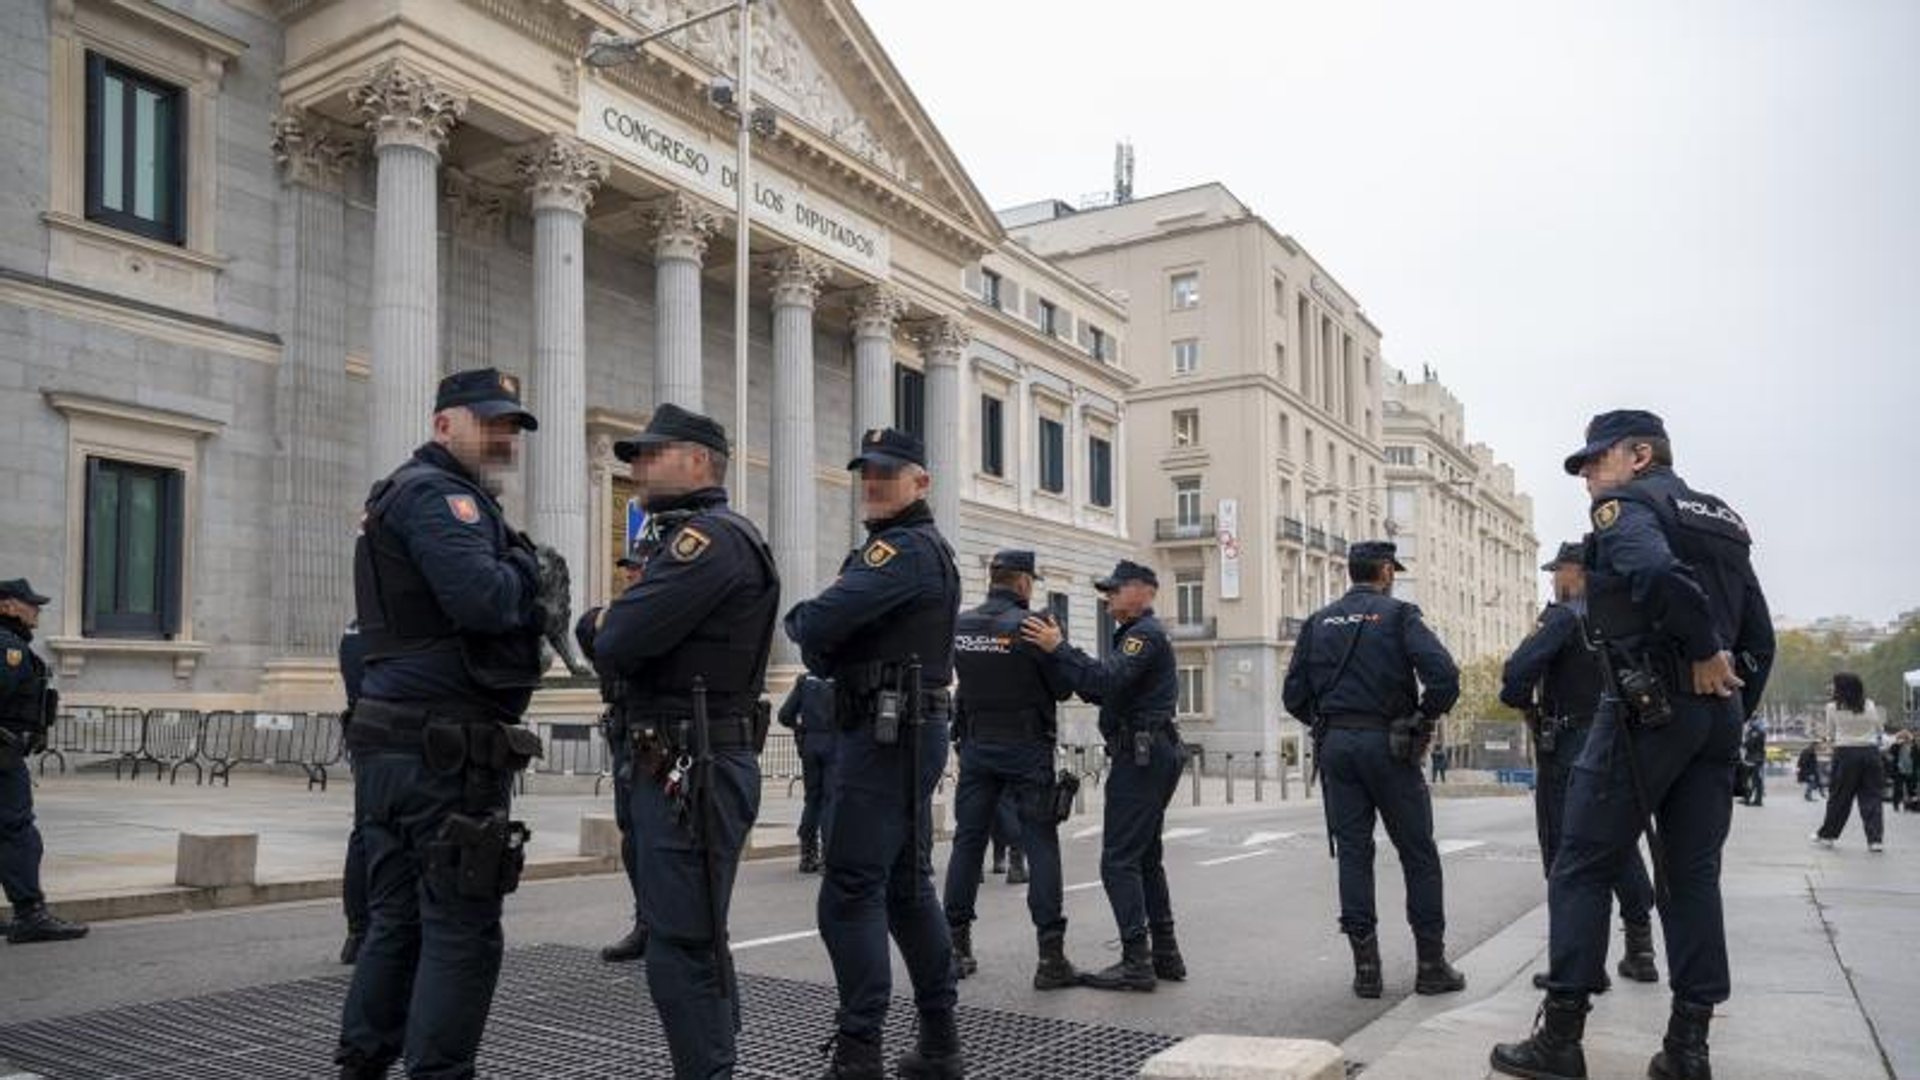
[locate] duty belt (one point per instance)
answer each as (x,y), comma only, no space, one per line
(1005,727)
(1568,723)
(726,732)
(1358,722)
(383,725)
(935,705)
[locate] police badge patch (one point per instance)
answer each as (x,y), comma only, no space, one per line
(464,509)
(690,543)
(15,657)
(1132,646)
(1606,514)
(879,553)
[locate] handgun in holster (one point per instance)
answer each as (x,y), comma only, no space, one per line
(484,854)
(1066,788)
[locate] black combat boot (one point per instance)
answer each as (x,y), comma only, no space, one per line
(1553,1052)
(1017,867)
(1638,964)
(1133,972)
(963,962)
(1367,982)
(1434,975)
(852,1059)
(999,860)
(350,948)
(936,1053)
(36,923)
(1055,971)
(1168,964)
(353,1068)
(810,855)
(1683,1053)
(1606,984)
(627,949)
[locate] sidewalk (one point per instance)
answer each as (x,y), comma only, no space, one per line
(1823,976)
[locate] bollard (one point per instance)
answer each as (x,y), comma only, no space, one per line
(216,860)
(1259,777)
(1229,771)
(1193,771)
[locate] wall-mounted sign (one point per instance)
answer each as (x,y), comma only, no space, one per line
(1229,536)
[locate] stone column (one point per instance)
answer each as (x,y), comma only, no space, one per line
(682,227)
(474,213)
(942,343)
(410,117)
(797,278)
(561,176)
(876,311)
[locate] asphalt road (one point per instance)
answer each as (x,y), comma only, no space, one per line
(1253,889)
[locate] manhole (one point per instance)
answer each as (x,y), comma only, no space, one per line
(559,1014)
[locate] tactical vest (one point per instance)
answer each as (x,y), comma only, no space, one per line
(23,707)
(923,628)
(1704,534)
(1003,697)
(1571,687)
(728,649)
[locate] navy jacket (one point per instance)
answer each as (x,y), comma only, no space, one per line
(897,596)
(1556,658)
(1005,683)
(23,678)
(1135,686)
(1398,668)
(808,709)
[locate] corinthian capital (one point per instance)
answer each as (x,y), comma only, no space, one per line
(312,150)
(681,227)
(797,277)
(403,107)
(561,174)
(474,209)
(942,340)
(876,309)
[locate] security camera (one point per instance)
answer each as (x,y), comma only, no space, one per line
(720,93)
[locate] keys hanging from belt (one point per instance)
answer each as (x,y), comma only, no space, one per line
(679,792)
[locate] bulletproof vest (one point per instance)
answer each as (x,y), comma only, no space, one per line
(1003,695)
(1708,538)
(1573,682)
(395,606)
(728,649)
(923,628)
(22,706)
(1378,679)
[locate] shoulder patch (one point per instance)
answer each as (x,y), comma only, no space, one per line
(15,657)
(1132,646)
(1606,514)
(690,543)
(878,554)
(465,510)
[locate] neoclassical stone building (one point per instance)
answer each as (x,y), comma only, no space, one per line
(241,239)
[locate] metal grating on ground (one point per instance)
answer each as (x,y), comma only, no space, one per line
(560,1014)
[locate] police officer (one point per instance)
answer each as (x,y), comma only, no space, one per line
(27,707)
(353,876)
(689,645)
(1007,724)
(1374,680)
(892,608)
(627,573)
(1673,600)
(808,713)
(1554,678)
(1136,689)
(447,601)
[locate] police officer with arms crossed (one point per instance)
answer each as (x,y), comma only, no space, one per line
(1673,600)
(1136,689)
(892,608)
(627,572)
(1558,662)
(689,643)
(808,713)
(1006,719)
(27,708)
(447,601)
(1373,680)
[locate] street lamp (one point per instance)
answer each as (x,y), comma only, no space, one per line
(605,50)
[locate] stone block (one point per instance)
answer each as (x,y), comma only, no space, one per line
(1238,1057)
(599,836)
(216,860)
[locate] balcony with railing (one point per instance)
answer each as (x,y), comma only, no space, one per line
(1290,628)
(1291,530)
(1338,544)
(1317,538)
(1196,630)
(1178,530)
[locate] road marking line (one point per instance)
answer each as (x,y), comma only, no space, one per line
(1087,834)
(1224,859)
(1449,847)
(776,939)
(1182,834)
(1082,887)
(1260,838)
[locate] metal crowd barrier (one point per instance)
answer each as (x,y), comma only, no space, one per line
(211,744)
(781,759)
(309,740)
(170,741)
(95,731)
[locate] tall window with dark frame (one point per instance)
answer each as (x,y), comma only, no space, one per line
(910,401)
(1058,607)
(133,541)
(990,288)
(1104,627)
(136,170)
(993,460)
(1053,456)
(1049,318)
(1100,471)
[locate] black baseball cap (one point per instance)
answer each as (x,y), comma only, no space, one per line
(889,447)
(1572,553)
(671,424)
(485,392)
(1124,571)
(18,589)
(1609,428)
(1376,551)
(1013,559)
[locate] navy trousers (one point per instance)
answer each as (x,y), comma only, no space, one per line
(879,878)
(687,959)
(20,847)
(620,752)
(1688,769)
(1362,782)
(424,982)
(1131,869)
(1634,890)
(816,760)
(994,775)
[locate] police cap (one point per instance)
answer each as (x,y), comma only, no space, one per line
(486,393)
(1124,571)
(1375,551)
(18,589)
(1572,553)
(1018,562)
(672,424)
(1608,428)
(889,447)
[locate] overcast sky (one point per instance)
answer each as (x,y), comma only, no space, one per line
(1709,209)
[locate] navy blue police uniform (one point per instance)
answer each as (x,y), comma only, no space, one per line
(354,900)
(1136,690)
(1006,724)
(895,602)
(27,708)
(693,636)
(1362,666)
(1670,583)
(446,600)
(808,713)
(1554,678)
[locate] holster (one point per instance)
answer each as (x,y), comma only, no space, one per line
(1066,787)
(13,750)
(1406,735)
(482,855)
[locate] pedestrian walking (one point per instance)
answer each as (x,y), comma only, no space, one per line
(1855,726)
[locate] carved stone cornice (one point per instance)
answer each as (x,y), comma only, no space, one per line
(474,209)
(562,174)
(314,151)
(404,107)
(943,339)
(797,277)
(876,309)
(682,226)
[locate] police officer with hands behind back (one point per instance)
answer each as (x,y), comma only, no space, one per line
(450,619)
(1136,689)
(1554,678)
(1672,600)
(1006,724)
(883,631)
(1373,680)
(28,706)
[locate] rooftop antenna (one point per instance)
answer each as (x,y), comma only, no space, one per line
(1122,172)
